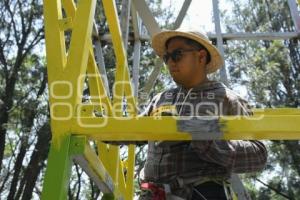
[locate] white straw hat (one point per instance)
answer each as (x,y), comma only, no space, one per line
(159,40)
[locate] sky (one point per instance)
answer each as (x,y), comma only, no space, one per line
(199,14)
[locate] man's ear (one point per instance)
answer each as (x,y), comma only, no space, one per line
(202,55)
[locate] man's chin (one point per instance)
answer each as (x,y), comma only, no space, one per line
(178,81)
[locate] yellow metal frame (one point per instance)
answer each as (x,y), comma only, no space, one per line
(72,121)
(67,70)
(271,124)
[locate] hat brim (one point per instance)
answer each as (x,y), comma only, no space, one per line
(159,40)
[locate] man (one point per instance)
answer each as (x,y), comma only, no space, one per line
(196,169)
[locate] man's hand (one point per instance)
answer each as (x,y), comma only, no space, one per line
(206,128)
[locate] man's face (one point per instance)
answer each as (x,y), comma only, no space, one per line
(189,68)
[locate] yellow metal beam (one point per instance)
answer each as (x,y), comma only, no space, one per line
(69,7)
(130,171)
(59,88)
(103,173)
(121,183)
(144,128)
(122,86)
(269,127)
(97,90)
(103,153)
(55,39)
(96,85)
(99,98)
(65,73)
(274,127)
(79,49)
(276,111)
(114,159)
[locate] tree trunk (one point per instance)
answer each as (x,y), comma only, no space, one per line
(3,122)
(17,169)
(294,152)
(36,163)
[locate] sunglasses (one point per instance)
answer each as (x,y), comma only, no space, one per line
(176,55)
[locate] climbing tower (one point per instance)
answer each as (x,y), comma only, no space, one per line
(79,127)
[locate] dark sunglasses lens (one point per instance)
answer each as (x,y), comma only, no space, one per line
(176,55)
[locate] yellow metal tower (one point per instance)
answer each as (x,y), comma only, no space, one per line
(75,123)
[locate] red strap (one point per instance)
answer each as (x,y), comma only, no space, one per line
(158,192)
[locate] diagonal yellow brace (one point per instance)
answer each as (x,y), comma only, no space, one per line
(130,172)
(122,80)
(96,84)
(121,180)
(69,7)
(86,157)
(79,49)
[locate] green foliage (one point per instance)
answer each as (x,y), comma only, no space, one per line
(269,70)
(23,111)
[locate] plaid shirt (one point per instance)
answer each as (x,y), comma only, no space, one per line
(201,159)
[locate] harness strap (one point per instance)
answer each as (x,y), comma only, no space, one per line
(164,191)
(180,183)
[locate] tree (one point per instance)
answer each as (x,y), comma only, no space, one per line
(24,129)
(269,70)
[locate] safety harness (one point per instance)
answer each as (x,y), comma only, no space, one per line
(163,191)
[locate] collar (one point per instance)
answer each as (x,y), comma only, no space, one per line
(208,85)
